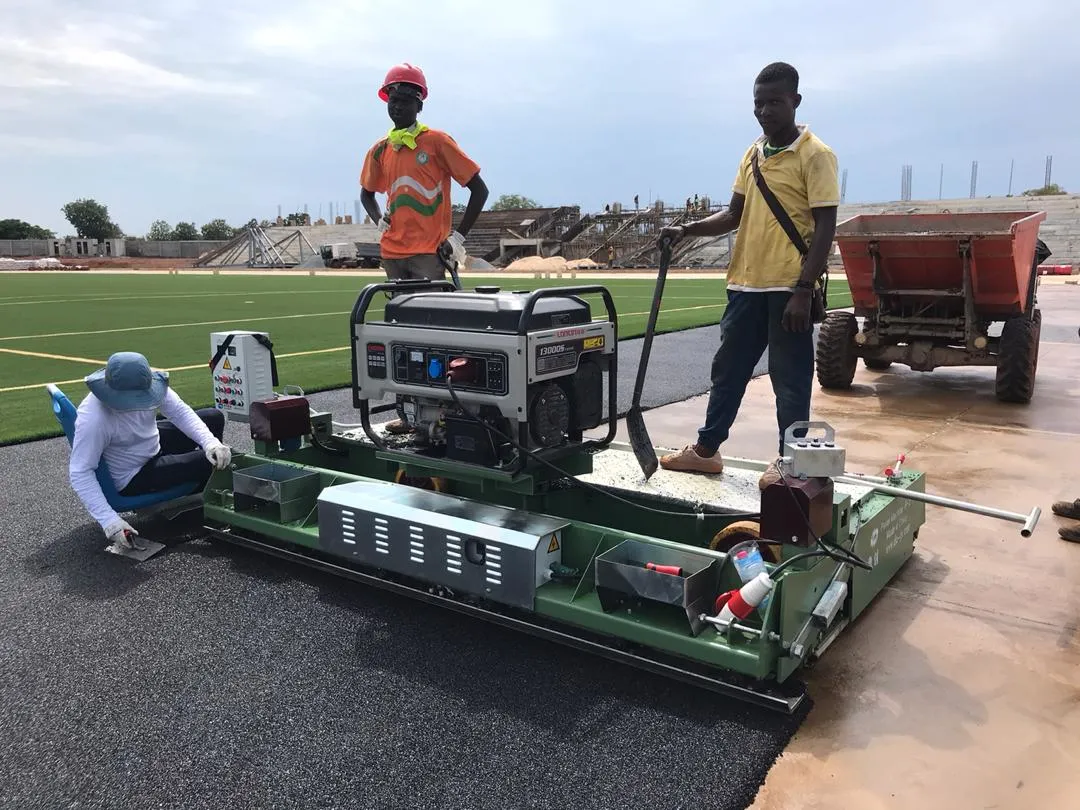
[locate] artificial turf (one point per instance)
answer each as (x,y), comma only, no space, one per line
(169,318)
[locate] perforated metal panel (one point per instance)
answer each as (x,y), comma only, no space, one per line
(491,551)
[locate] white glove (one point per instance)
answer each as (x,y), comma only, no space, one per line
(454,247)
(219,455)
(383,224)
(122,536)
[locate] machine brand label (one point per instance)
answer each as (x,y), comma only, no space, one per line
(557,357)
(563,333)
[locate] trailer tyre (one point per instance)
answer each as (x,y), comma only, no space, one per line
(1018,358)
(836,358)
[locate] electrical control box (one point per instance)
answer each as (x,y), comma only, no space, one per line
(813,456)
(242,367)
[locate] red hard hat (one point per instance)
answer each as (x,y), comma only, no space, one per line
(406,73)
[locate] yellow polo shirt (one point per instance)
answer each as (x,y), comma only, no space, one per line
(802,177)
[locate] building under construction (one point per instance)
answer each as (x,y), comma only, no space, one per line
(617,237)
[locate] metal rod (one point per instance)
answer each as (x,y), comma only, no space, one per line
(742,628)
(1029,520)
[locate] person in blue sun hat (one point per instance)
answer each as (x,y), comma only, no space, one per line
(117,422)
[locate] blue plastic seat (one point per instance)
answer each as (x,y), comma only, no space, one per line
(65,412)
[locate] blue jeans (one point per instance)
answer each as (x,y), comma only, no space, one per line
(752,322)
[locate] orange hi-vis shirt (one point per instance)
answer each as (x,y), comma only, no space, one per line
(417,185)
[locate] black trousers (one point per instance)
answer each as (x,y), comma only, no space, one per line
(180,460)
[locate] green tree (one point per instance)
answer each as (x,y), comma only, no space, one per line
(185,232)
(458,208)
(91,220)
(511,202)
(160,231)
(1045,191)
(297,219)
(218,230)
(17,229)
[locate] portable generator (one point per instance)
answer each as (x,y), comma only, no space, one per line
(487,377)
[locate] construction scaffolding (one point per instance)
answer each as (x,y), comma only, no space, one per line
(622,238)
(254,248)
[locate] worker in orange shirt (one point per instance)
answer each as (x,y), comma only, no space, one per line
(413,165)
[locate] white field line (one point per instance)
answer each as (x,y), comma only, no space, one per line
(239,321)
(170,370)
(249,293)
(236,321)
(54,356)
(250,320)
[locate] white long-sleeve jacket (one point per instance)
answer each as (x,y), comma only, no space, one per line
(126,440)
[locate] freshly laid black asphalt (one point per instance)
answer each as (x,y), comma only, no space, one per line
(211,676)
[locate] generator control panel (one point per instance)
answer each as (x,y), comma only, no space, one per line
(241,365)
(423,365)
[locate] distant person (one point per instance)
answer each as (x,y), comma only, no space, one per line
(1071,510)
(117,422)
(770,282)
(413,166)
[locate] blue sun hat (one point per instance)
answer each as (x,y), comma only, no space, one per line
(128,384)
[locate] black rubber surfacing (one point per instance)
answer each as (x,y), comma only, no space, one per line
(213,676)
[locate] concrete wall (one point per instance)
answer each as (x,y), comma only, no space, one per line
(170,250)
(15,248)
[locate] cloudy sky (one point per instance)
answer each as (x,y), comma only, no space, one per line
(192,110)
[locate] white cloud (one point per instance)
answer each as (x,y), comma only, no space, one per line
(232,102)
(61,144)
(66,61)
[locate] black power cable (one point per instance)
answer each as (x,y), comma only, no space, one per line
(732,516)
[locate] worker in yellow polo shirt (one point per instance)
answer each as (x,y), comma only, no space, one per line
(783,204)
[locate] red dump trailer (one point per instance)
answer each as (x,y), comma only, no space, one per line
(931,289)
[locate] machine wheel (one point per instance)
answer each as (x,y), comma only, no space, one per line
(1018,358)
(877,365)
(735,533)
(836,356)
(420,482)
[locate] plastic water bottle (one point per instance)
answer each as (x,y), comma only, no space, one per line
(749,563)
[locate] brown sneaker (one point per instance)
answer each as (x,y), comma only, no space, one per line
(687,460)
(399,428)
(1067,509)
(769,477)
(1072,534)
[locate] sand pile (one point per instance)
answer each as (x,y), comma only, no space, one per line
(552,264)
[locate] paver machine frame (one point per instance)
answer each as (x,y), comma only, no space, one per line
(511,502)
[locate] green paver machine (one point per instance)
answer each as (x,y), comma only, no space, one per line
(508,499)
